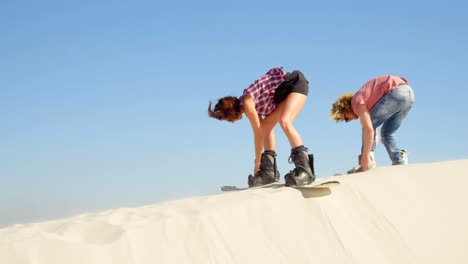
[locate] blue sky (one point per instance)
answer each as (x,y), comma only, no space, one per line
(104,105)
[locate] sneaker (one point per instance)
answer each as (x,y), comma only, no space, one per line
(402,158)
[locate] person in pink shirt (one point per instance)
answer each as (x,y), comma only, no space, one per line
(276,97)
(383,101)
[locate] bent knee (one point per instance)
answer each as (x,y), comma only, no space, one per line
(285,124)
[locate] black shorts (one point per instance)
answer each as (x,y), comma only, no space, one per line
(294,82)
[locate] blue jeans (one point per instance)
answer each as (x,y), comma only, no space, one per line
(390,111)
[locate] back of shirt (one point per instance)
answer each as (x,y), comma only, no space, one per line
(371,92)
(263,90)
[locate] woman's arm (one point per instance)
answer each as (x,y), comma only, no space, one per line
(255,121)
(367,135)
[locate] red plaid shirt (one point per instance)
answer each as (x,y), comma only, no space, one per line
(263,90)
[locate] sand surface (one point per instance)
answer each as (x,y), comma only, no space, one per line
(401,214)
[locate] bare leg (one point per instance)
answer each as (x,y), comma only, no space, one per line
(267,170)
(284,113)
(293,105)
(269,139)
(302,173)
(268,124)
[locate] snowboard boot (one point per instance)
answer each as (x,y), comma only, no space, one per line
(268,172)
(303,174)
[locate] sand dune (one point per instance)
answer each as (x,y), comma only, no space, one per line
(401,214)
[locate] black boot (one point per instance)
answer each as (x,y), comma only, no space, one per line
(303,174)
(268,173)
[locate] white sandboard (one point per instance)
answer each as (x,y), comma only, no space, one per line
(317,184)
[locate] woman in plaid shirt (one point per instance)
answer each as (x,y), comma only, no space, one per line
(276,97)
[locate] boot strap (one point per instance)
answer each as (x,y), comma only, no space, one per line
(304,169)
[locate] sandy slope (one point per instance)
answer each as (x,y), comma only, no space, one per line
(401,214)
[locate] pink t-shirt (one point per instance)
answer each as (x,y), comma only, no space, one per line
(371,92)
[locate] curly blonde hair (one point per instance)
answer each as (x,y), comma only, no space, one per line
(341,106)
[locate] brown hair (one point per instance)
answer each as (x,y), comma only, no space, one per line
(341,106)
(227,108)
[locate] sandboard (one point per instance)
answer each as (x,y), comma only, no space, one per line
(230,188)
(317,184)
